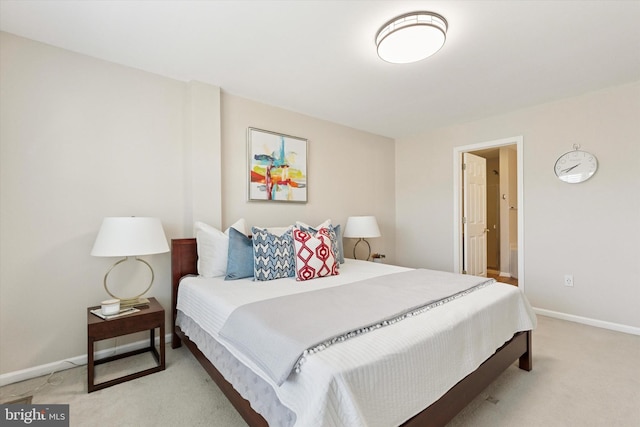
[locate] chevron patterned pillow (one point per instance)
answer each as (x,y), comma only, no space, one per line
(273,255)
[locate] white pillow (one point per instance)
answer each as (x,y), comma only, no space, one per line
(240,225)
(213,248)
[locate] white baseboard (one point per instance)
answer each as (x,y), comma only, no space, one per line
(62,365)
(504,274)
(587,321)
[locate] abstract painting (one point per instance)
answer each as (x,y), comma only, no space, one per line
(277,167)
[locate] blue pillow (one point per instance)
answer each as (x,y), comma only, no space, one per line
(274,256)
(340,252)
(240,256)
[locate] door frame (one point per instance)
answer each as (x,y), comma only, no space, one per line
(518,141)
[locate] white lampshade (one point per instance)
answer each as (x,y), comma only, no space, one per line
(361,227)
(130,236)
(411,37)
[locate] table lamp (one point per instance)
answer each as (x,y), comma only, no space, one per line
(130,237)
(361,228)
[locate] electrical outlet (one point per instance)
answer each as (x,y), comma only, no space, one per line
(568,279)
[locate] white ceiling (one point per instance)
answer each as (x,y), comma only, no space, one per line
(318,57)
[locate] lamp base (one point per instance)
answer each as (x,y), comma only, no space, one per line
(368,247)
(134,303)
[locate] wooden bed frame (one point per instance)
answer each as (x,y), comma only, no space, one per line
(184,261)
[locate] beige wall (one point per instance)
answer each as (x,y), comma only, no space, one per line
(81,139)
(587,229)
(350,172)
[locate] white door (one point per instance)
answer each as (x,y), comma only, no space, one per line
(474,221)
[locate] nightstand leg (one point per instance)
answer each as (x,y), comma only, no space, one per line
(90,365)
(162,346)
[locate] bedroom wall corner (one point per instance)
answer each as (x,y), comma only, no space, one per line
(202,148)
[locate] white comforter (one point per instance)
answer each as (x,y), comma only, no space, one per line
(384,377)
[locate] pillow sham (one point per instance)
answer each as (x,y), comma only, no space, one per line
(273,255)
(334,234)
(240,225)
(325,224)
(212,250)
(213,247)
(314,256)
(240,256)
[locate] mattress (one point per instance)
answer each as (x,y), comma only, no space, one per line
(381,378)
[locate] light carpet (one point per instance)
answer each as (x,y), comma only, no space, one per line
(582,376)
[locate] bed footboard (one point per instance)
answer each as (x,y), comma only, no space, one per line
(460,395)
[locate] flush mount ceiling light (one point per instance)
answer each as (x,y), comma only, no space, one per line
(411,37)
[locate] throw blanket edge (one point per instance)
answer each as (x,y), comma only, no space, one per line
(383,323)
(278,334)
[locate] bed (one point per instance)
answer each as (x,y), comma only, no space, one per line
(257,399)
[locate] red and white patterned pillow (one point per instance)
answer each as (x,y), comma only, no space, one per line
(314,256)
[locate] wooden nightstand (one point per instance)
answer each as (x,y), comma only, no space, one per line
(99,329)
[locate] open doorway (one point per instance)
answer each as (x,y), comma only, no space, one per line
(504,202)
